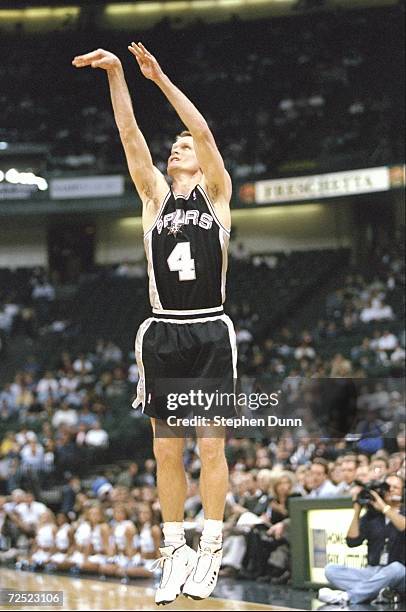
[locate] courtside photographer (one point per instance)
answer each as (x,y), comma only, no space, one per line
(382,526)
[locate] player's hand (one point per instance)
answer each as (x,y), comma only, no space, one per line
(97,59)
(149,66)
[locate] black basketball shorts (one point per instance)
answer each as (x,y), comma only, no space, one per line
(187,367)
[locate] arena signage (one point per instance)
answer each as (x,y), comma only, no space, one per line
(87,187)
(326,536)
(8,191)
(318,530)
(320,186)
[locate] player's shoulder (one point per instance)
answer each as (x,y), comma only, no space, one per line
(218,193)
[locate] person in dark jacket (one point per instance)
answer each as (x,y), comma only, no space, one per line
(383,527)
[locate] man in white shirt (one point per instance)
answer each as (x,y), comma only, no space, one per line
(97,437)
(30,511)
(24,436)
(321,485)
(398,356)
(47,387)
(348,471)
(65,416)
(82,366)
(32,455)
(388,341)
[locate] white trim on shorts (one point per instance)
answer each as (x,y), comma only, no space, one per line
(196,311)
(140,399)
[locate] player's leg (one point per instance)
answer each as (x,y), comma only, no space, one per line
(213,477)
(213,490)
(177,559)
(218,356)
(171,477)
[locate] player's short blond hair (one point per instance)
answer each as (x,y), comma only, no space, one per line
(183,134)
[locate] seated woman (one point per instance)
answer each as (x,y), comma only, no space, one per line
(44,542)
(81,541)
(63,541)
(122,541)
(147,541)
(99,548)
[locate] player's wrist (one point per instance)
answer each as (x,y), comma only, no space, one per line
(161,79)
(116,66)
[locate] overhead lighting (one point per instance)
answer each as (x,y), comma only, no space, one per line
(1,175)
(15,177)
(39,13)
(3,145)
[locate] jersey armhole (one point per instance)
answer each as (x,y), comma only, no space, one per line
(158,213)
(212,209)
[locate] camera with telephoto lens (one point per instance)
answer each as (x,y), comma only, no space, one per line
(365,496)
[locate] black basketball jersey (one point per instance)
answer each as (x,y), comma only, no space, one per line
(186,249)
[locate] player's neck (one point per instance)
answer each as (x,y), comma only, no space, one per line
(183,183)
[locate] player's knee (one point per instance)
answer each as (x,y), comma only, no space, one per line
(211,449)
(167,451)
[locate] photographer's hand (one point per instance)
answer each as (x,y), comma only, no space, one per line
(277,530)
(378,503)
(398,520)
(353,531)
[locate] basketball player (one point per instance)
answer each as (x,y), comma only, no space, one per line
(186,233)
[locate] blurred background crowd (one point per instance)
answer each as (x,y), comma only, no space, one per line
(319,92)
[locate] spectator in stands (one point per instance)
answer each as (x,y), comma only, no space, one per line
(395,463)
(65,415)
(82,365)
(378,467)
(340,367)
(129,478)
(69,492)
(321,485)
(370,430)
(29,512)
(97,437)
(112,353)
(44,542)
(67,457)
(348,472)
(398,356)
(43,294)
(32,456)
(148,475)
(68,383)
(388,341)
(376,311)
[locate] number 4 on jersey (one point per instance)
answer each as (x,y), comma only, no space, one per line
(180,260)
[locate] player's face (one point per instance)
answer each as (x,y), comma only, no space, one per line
(183,157)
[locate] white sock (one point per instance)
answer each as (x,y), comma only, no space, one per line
(174,534)
(212,532)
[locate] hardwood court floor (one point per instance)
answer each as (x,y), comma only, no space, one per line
(90,594)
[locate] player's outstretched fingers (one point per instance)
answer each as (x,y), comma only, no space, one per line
(135,50)
(145,51)
(80,61)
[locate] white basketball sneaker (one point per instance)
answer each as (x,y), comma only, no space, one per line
(176,564)
(201,582)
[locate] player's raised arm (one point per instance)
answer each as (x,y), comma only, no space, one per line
(217,179)
(148,180)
